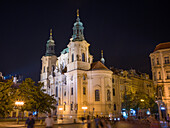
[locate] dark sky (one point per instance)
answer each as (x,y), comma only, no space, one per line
(127,31)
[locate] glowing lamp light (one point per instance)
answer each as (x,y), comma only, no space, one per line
(19,103)
(84,108)
(60,108)
(142,100)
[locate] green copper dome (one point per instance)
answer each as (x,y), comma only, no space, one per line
(78,29)
(50,46)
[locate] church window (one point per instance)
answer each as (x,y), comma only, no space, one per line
(168,74)
(154,76)
(113,92)
(97,95)
(56,92)
(153,62)
(64,93)
(84,90)
(52,48)
(72,57)
(108,95)
(84,78)
(83,57)
(166,59)
(115,107)
(112,80)
(72,91)
(71,106)
(157,61)
(159,75)
(44,69)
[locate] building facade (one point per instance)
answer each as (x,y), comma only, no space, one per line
(129,81)
(75,80)
(161,72)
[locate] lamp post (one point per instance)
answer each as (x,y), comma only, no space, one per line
(60,109)
(19,103)
(84,108)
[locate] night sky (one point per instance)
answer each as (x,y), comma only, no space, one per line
(127,31)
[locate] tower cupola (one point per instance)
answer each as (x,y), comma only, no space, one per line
(78,29)
(50,46)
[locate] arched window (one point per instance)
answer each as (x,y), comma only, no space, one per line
(71,91)
(56,92)
(159,75)
(72,57)
(108,95)
(113,92)
(97,95)
(44,69)
(84,77)
(84,90)
(115,107)
(83,57)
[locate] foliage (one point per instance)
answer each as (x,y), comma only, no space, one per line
(6,98)
(34,97)
(133,100)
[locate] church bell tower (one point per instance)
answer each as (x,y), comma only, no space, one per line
(48,63)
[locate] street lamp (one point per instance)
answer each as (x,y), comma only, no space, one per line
(60,109)
(19,103)
(84,108)
(142,100)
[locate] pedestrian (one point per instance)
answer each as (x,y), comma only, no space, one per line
(108,124)
(168,119)
(97,121)
(88,122)
(49,121)
(30,121)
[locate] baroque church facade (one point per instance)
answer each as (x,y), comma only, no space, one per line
(75,80)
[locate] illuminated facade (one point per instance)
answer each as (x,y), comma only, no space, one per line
(129,81)
(75,80)
(161,72)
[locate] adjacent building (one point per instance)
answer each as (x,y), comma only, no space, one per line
(161,72)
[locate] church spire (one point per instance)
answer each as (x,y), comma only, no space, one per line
(78,29)
(77,12)
(50,46)
(102,59)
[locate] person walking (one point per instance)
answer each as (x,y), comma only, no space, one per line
(30,121)
(88,122)
(97,121)
(49,121)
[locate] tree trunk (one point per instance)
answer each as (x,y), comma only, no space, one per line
(37,114)
(22,114)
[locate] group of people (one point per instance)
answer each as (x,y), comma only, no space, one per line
(99,122)
(49,121)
